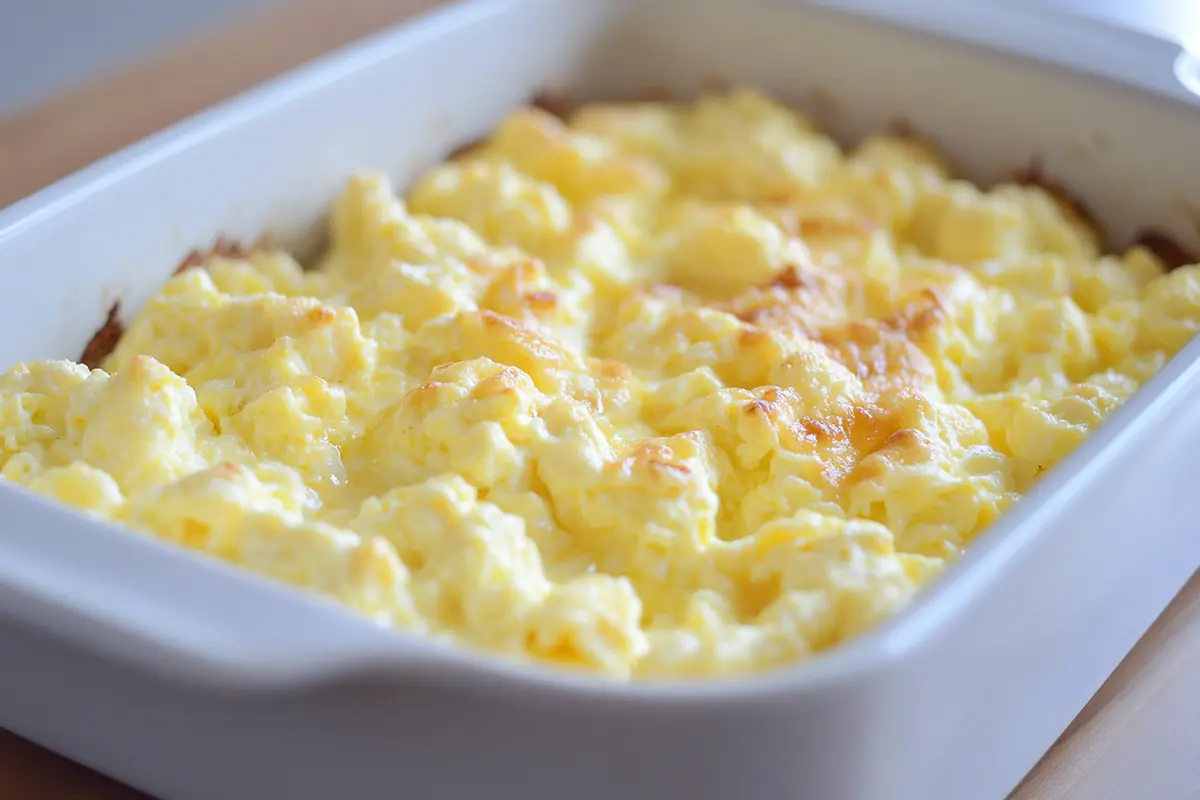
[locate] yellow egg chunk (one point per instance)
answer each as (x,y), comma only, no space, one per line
(650,391)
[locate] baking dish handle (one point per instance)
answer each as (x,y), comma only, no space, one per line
(182,616)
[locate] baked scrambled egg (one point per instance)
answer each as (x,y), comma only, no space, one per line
(655,391)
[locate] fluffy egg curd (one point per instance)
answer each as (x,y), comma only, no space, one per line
(655,390)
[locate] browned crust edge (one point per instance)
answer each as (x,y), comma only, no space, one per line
(104,340)
(1169,251)
(558,104)
(464,150)
(109,334)
(222,247)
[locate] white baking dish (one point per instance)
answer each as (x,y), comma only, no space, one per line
(190,680)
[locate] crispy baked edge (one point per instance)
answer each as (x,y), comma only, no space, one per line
(222,247)
(108,335)
(105,339)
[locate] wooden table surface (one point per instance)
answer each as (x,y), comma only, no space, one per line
(1138,738)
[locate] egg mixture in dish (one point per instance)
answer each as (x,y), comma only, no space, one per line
(657,391)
